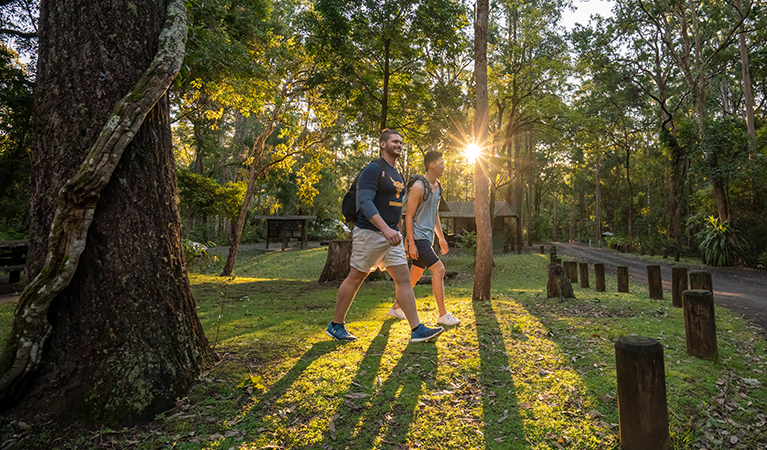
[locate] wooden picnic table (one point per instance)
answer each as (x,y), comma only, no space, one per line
(13,258)
(285,228)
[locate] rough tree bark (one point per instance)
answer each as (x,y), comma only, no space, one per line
(483,269)
(107,330)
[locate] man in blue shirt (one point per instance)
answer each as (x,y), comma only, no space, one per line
(377,242)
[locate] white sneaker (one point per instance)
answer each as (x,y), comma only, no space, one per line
(448,319)
(397,313)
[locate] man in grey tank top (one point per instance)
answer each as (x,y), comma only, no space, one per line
(421,224)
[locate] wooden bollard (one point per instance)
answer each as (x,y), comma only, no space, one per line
(678,285)
(701,280)
(599,277)
(571,269)
(543,250)
(623,279)
(652,251)
(641,250)
(584,269)
(700,324)
(665,253)
(676,256)
(642,405)
(654,282)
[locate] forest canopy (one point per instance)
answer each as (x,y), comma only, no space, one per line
(647,124)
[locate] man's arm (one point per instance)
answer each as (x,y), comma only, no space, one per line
(440,235)
(414,197)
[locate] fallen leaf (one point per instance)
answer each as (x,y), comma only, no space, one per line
(525,405)
(23,425)
(332,429)
(357,395)
(593,414)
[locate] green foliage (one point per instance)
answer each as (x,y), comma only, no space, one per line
(717,244)
(198,258)
(468,241)
(203,197)
(16,103)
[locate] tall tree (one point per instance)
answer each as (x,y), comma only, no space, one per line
(483,269)
(107,329)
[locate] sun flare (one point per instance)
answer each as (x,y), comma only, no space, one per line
(472,152)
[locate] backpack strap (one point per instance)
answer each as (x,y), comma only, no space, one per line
(382,166)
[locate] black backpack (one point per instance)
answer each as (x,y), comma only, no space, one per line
(426,184)
(349,203)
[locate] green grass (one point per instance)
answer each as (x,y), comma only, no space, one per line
(521,371)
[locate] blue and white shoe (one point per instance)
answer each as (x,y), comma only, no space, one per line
(423,333)
(339,332)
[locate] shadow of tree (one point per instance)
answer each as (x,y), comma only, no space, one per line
(500,406)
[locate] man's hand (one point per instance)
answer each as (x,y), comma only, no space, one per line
(443,246)
(394,237)
(412,250)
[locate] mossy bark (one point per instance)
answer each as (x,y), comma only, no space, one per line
(107,330)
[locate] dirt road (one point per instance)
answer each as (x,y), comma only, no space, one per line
(743,291)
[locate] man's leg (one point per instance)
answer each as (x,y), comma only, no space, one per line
(438,286)
(346,293)
(415,275)
(404,293)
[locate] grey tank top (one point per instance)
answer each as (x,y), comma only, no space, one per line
(423,222)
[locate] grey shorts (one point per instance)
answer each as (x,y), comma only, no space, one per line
(370,249)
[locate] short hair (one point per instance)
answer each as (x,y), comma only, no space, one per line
(430,157)
(386,133)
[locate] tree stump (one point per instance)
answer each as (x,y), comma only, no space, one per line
(623,279)
(642,405)
(584,269)
(700,324)
(701,280)
(543,250)
(558,285)
(678,285)
(571,269)
(337,263)
(599,277)
(654,282)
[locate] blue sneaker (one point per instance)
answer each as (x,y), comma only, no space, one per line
(423,334)
(339,332)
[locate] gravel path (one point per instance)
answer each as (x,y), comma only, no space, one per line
(743,291)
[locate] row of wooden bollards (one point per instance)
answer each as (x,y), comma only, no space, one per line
(639,360)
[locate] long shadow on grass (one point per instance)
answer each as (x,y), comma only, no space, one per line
(390,410)
(500,406)
(589,367)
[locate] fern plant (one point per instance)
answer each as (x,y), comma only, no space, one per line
(716,244)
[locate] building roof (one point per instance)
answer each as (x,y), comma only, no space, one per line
(466,210)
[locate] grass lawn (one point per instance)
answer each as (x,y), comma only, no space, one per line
(520,372)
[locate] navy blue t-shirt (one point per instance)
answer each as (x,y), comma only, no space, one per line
(386,201)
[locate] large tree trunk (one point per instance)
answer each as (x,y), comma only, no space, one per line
(598,203)
(483,269)
(518,188)
(125,340)
(748,96)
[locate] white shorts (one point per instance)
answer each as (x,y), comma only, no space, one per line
(370,249)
